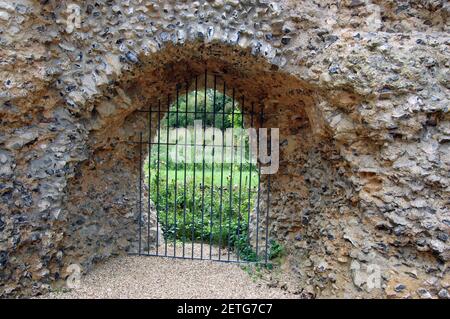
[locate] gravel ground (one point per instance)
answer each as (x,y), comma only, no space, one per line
(160,277)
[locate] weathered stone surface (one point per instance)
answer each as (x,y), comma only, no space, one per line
(359,91)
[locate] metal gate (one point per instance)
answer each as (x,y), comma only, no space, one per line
(200,176)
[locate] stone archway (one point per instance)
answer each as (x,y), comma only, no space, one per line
(116,122)
(364,130)
(314,203)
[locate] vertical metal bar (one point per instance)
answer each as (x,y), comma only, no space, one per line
(149,176)
(259,190)
(167,175)
(140,192)
(176,176)
(250,176)
(231,175)
(185,162)
(195,163)
(158,178)
(269,143)
(240,181)
(203,166)
(221,169)
(212,172)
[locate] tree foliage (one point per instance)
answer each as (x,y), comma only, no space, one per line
(218,112)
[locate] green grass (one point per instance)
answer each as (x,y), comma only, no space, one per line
(238,179)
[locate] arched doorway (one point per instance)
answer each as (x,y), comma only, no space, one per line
(310,177)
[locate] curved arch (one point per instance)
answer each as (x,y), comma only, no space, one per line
(293,106)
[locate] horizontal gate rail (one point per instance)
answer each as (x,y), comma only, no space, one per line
(263,262)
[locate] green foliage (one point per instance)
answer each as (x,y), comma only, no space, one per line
(245,250)
(178,129)
(222,106)
(217,212)
(276,250)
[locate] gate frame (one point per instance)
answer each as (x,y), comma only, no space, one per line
(256,206)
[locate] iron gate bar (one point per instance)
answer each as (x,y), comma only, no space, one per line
(185,161)
(268,208)
(195,162)
(176,176)
(212,170)
(221,170)
(231,176)
(193,112)
(202,259)
(250,176)
(158,176)
(203,168)
(140,192)
(233,156)
(259,194)
(167,176)
(149,181)
(240,186)
(179,144)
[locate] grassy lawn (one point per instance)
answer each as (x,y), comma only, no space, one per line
(242,179)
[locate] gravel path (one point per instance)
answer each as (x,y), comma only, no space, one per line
(160,277)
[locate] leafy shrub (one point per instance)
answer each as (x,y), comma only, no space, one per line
(276,250)
(222,106)
(216,213)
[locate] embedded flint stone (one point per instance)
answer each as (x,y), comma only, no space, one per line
(361,102)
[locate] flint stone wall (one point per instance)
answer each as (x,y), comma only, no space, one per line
(358,88)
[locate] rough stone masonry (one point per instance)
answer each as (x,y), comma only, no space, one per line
(358,88)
